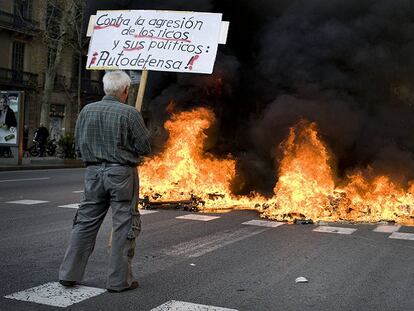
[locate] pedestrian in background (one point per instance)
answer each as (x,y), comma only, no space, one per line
(41,136)
(111,137)
(25,137)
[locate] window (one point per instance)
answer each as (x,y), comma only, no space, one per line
(23,8)
(18,61)
(84,73)
(53,18)
(18,56)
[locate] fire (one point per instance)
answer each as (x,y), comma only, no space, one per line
(184,169)
(306,188)
(305,177)
(378,199)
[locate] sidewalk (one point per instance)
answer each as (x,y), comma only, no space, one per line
(32,163)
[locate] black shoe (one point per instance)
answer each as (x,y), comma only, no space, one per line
(67,283)
(134,285)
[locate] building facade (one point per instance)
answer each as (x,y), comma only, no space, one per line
(24,60)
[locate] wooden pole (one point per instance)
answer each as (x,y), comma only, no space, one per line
(20,129)
(141,90)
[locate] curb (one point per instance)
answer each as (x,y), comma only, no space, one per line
(47,164)
(36,167)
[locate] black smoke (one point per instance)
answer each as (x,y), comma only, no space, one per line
(346,65)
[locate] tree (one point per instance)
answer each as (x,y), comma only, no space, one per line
(78,44)
(62,25)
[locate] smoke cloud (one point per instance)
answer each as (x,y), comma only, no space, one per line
(346,65)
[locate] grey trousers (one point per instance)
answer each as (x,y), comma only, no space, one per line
(115,186)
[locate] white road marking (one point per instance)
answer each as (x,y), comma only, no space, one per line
(402,236)
(387,228)
(174,305)
(77,191)
(74,205)
(338,230)
(24,179)
(197,217)
(146,212)
(27,202)
(54,294)
(263,223)
(301,279)
(206,244)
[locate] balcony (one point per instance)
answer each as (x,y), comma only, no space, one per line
(16,23)
(17,79)
(88,86)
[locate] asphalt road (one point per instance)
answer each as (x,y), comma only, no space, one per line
(221,262)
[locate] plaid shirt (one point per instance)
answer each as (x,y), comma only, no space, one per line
(111,131)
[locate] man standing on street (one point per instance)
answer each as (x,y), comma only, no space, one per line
(111,138)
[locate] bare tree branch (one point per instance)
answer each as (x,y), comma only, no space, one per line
(63,30)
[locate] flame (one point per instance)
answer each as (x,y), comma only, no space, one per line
(184,168)
(306,188)
(378,199)
(305,176)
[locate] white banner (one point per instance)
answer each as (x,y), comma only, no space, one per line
(155,40)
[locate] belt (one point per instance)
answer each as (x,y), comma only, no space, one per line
(105,164)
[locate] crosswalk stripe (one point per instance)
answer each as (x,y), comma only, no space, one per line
(387,228)
(197,217)
(77,191)
(74,205)
(402,236)
(54,294)
(174,305)
(27,202)
(338,230)
(146,212)
(263,223)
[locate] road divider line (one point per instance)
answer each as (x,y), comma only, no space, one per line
(337,230)
(174,305)
(24,179)
(207,244)
(54,294)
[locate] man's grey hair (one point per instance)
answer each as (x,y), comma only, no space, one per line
(115,82)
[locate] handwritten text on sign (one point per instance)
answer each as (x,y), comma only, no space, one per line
(155,40)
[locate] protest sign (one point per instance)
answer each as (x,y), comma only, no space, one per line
(154,40)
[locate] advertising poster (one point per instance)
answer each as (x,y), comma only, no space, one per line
(9,117)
